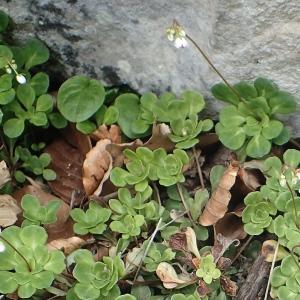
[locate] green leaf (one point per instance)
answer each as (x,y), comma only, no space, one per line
(40,83)
(33,236)
(246,90)
(195,205)
(86,127)
(283,137)
(141,292)
(26,95)
(128,106)
(39,119)
(13,127)
(222,92)
(230,115)
(4,19)
(20,176)
(195,100)
(36,53)
(139,127)
(45,159)
(7,96)
(111,115)
(5,56)
(282,102)
(7,282)
(44,103)
(57,120)
(215,175)
(49,174)
(79,98)
(231,137)
(42,280)
(26,290)
(258,146)
(5,81)
(56,263)
(86,291)
(272,129)
(291,157)
(265,87)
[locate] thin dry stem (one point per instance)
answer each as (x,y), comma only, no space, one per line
(271,270)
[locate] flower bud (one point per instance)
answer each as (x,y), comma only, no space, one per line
(21,79)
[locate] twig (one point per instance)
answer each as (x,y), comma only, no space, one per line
(295,143)
(20,254)
(242,248)
(184,204)
(157,193)
(147,249)
(271,270)
(212,66)
(199,169)
(294,204)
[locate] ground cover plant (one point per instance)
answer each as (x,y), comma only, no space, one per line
(114,195)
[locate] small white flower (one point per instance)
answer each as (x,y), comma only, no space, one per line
(294,180)
(8,70)
(282,181)
(2,247)
(21,79)
(180,42)
(176,34)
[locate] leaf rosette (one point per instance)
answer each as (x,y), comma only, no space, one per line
(257,214)
(26,264)
(97,280)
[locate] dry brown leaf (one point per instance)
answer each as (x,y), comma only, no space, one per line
(251,177)
(217,205)
(168,276)
(112,133)
(116,151)
(4,174)
(96,168)
(9,210)
(231,226)
(67,245)
(268,251)
(160,138)
(63,227)
(66,161)
(230,287)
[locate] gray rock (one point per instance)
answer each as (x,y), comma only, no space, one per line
(123,41)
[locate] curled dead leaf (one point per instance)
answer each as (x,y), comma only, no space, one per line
(202,288)
(268,251)
(168,276)
(230,287)
(217,205)
(160,138)
(9,210)
(96,168)
(4,174)
(231,226)
(112,133)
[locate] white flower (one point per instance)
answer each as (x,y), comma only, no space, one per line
(21,78)
(176,34)
(2,247)
(8,70)
(180,42)
(282,181)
